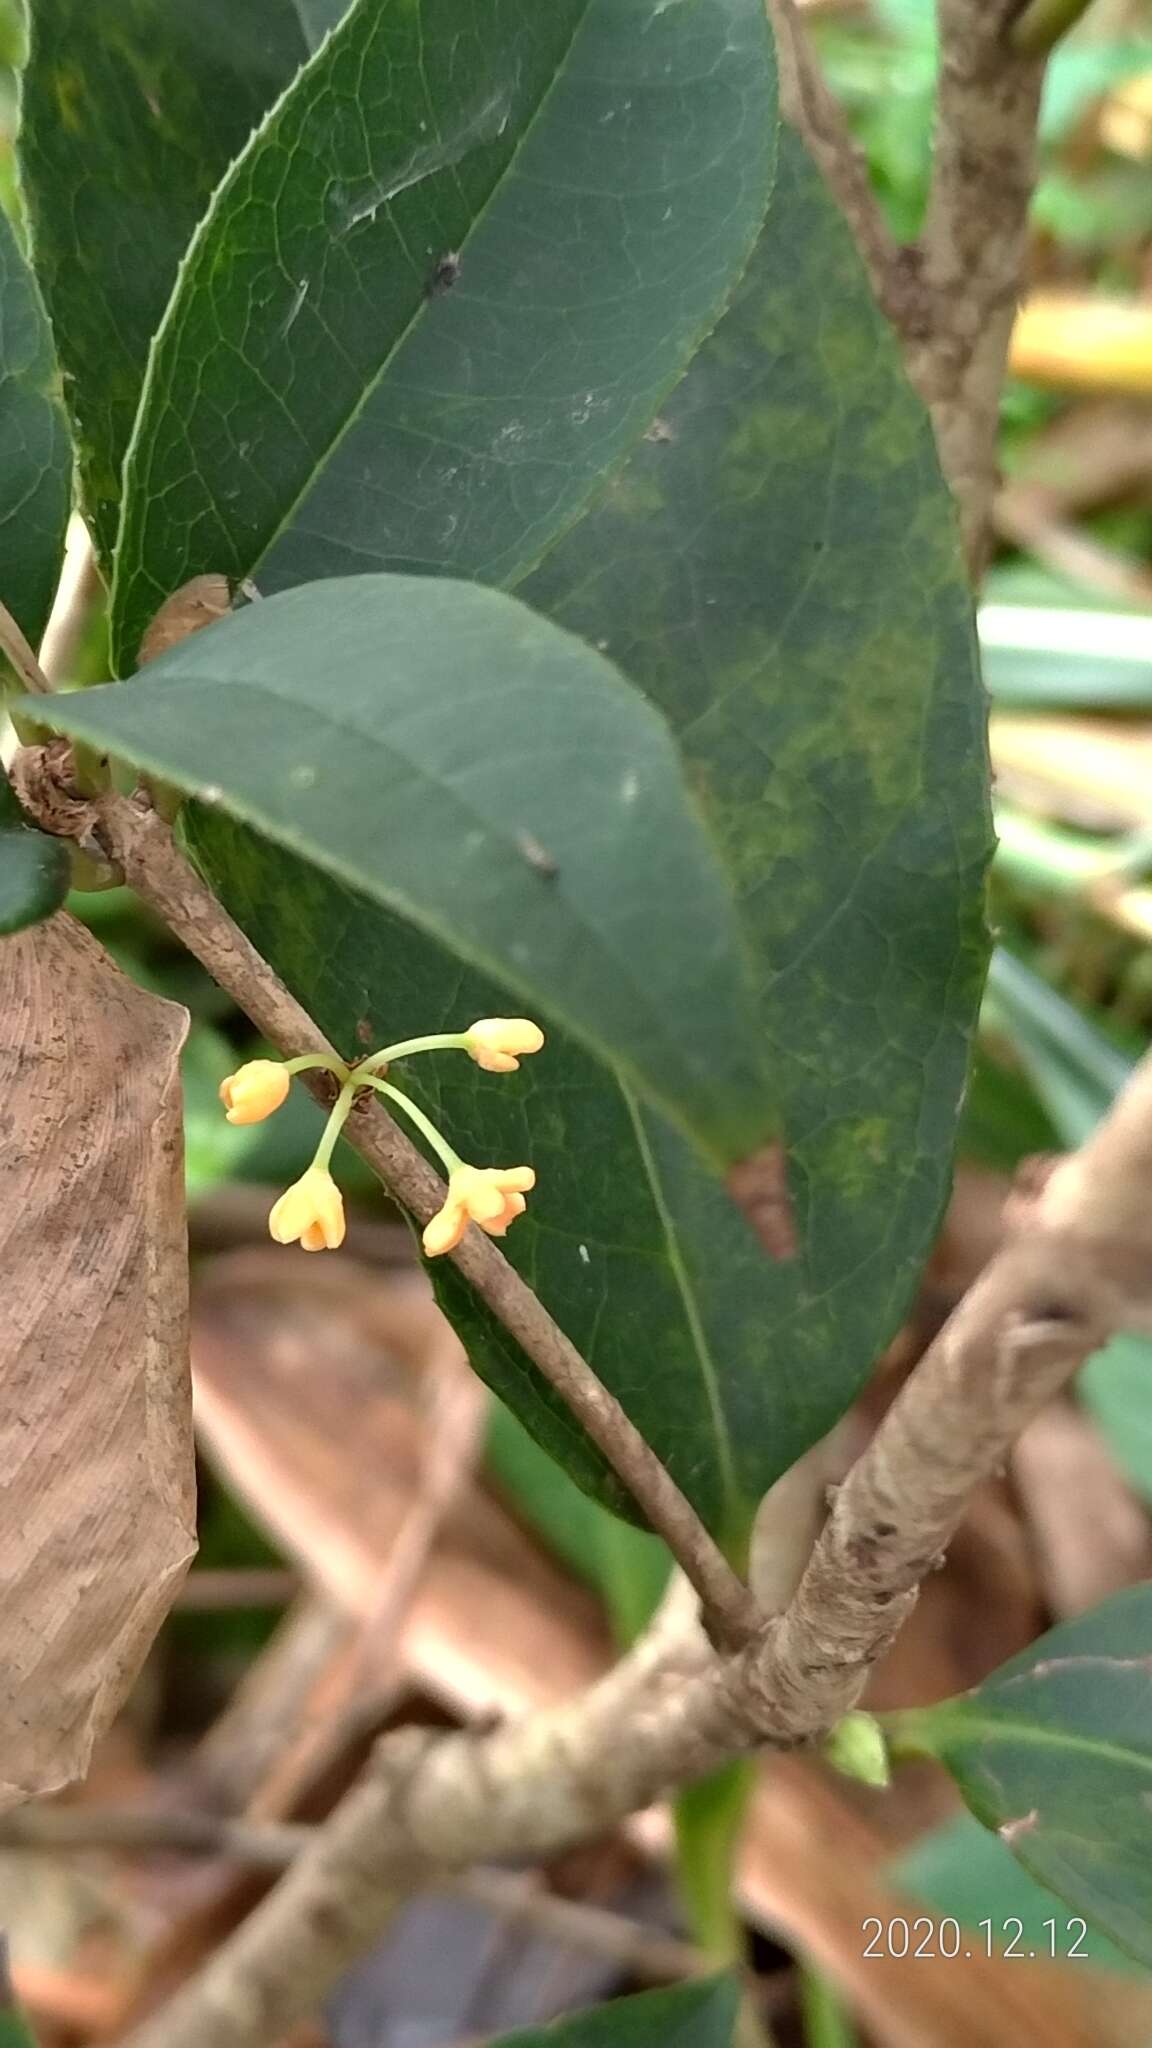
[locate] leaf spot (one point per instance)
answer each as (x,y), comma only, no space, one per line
(1010,1830)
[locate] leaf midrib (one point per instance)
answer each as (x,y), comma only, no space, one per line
(992,1728)
(709,1374)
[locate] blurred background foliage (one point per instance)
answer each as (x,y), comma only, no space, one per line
(1066,626)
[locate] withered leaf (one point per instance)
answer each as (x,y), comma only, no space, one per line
(96,1470)
(311,1385)
(196,604)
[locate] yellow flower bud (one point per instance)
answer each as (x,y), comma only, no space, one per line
(494,1042)
(254,1091)
(492,1196)
(310,1212)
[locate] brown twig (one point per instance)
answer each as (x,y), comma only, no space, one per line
(1089,1533)
(807,101)
(243,1749)
(16,647)
(222,1591)
(142,846)
(951,296)
(135,1831)
(972,250)
(1023,514)
(453,1442)
(271,1845)
(361,1683)
(1080,1268)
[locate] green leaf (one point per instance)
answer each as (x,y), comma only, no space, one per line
(964,1873)
(759,535)
(699,2015)
(35,453)
(1054,1751)
(479,771)
(131,114)
(750,566)
(628,1567)
(597,170)
(35,869)
(317,17)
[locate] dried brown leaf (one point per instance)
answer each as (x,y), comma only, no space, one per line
(195,605)
(310,1394)
(95,1438)
(1090,1534)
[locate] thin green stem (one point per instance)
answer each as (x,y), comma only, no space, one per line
(439,1145)
(435,1041)
(709,1821)
(309,1060)
(335,1125)
(827,2021)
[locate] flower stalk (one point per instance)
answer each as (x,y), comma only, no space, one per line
(311,1211)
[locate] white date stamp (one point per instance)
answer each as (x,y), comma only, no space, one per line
(896,1939)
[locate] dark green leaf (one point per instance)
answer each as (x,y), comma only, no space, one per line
(131,113)
(34,869)
(750,567)
(774,562)
(594,170)
(35,453)
(495,781)
(963,1872)
(1054,1751)
(699,2015)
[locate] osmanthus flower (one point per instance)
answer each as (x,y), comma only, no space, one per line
(492,1196)
(495,1042)
(311,1211)
(254,1091)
